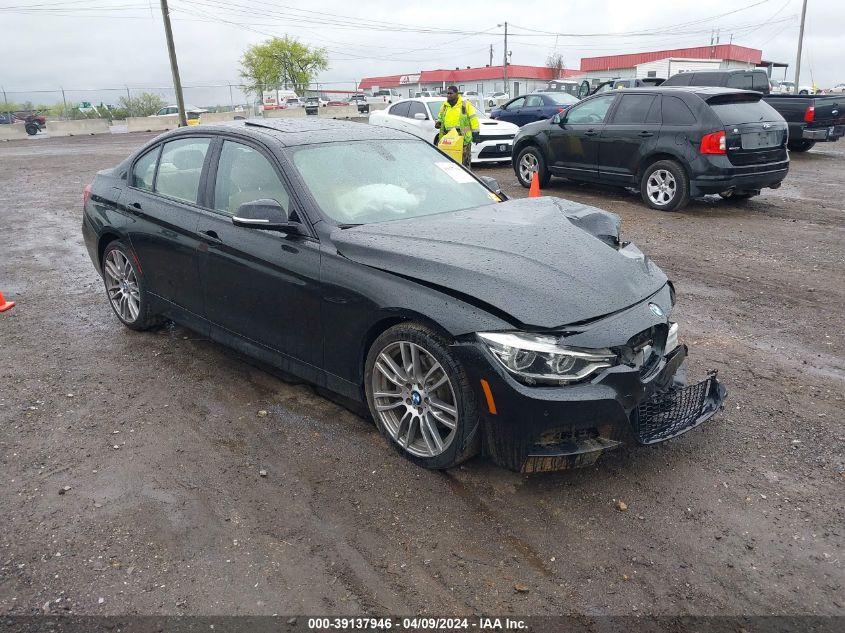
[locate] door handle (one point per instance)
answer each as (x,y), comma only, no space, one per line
(646,134)
(136,205)
(211,237)
(590,133)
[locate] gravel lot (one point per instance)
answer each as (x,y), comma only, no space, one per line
(130,461)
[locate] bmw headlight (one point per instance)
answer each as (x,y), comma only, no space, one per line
(537,359)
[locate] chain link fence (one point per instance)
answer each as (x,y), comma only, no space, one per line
(117,103)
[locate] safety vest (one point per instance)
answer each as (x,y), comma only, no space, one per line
(461,116)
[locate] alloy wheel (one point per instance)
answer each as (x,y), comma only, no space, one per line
(528,166)
(661,187)
(122,286)
(414,399)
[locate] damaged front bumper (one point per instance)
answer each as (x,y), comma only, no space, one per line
(533,429)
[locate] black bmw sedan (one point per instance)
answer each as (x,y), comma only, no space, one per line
(366,262)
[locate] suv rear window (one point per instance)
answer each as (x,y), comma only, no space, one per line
(737,111)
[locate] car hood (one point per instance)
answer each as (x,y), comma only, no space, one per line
(491,126)
(540,262)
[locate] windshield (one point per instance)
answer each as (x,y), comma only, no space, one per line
(562,98)
(382,180)
(434,108)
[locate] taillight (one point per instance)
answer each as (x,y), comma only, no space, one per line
(810,114)
(713,143)
(561,110)
(86,193)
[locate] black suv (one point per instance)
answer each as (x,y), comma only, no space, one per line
(743,79)
(671,143)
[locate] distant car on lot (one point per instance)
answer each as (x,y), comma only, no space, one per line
(788,88)
(191,111)
(533,107)
(293,102)
(418,116)
(318,101)
(838,88)
(363,261)
(494,98)
(671,143)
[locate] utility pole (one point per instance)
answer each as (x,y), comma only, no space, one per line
(174,67)
(491,55)
(505,66)
(800,43)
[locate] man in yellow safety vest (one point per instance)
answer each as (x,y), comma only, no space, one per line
(457,113)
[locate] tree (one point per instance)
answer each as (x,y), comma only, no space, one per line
(281,62)
(556,62)
(144,104)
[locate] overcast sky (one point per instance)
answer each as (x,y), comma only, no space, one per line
(84,44)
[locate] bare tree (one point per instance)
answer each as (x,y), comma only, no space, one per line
(556,62)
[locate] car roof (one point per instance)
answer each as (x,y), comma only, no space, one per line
(299,131)
(704,91)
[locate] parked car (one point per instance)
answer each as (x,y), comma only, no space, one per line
(533,107)
(497,96)
(671,143)
(319,101)
(523,329)
(788,87)
(191,111)
(384,96)
(811,119)
(293,102)
(838,88)
(418,116)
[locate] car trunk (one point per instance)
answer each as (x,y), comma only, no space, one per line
(754,132)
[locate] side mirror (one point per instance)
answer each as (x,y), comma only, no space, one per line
(265,214)
(493,185)
(556,119)
(419,116)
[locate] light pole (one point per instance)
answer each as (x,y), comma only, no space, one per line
(800,42)
(174,67)
(505,60)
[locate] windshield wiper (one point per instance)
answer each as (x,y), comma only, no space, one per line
(347,226)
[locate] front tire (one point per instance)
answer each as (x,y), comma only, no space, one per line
(420,397)
(665,186)
(528,161)
(801,145)
(32,129)
(125,288)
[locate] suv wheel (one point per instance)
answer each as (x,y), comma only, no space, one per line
(664,186)
(420,397)
(529,161)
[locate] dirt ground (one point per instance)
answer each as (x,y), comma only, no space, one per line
(130,461)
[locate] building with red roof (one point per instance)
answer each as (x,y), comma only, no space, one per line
(485,80)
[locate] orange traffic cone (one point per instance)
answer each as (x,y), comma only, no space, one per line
(5,305)
(534,191)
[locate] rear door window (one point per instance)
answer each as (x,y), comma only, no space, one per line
(400,109)
(632,109)
(676,112)
(741,81)
(180,168)
(707,79)
(145,169)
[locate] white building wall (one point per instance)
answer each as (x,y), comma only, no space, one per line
(665,68)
